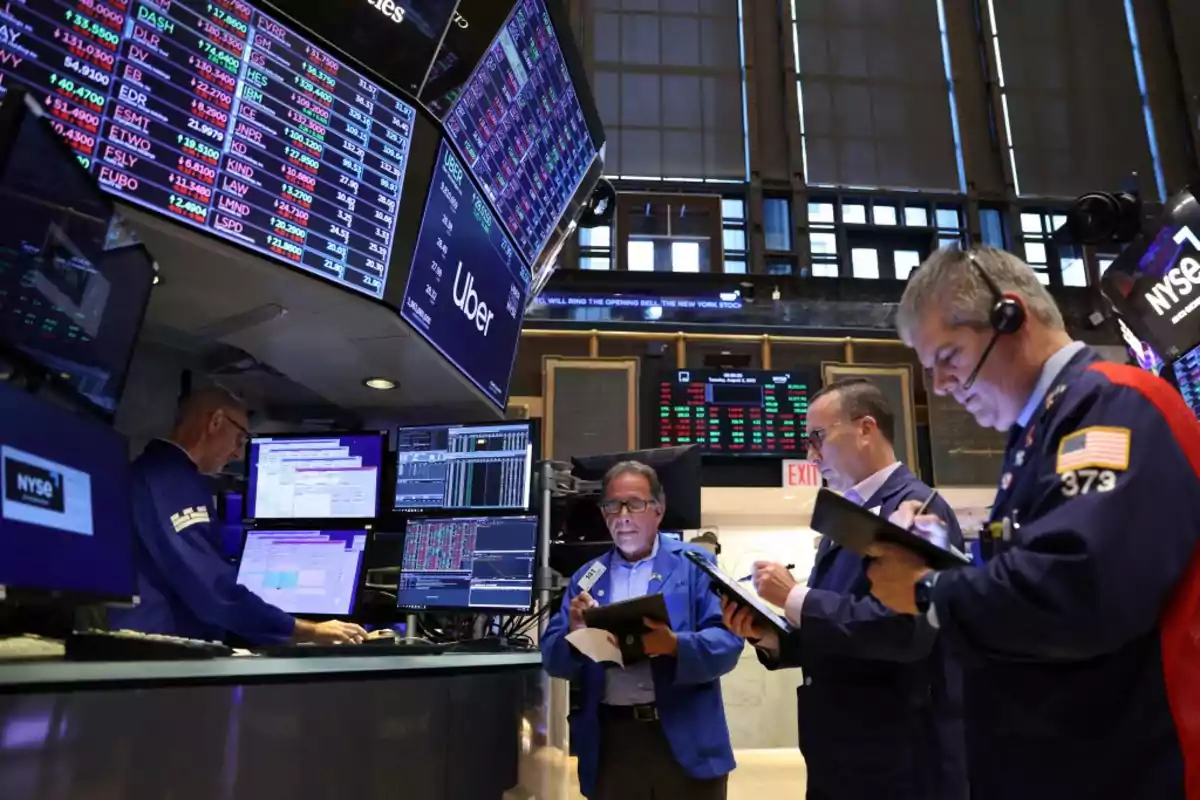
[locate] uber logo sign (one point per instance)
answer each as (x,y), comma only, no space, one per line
(32,485)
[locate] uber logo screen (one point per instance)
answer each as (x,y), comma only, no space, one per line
(46,494)
(466,290)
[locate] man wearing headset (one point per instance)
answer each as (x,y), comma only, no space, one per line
(1080,634)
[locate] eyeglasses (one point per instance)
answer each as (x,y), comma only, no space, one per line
(636,505)
(816,437)
(243,433)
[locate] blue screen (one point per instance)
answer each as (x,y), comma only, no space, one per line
(1187,377)
(466,291)
(317,477)
(66,517)
(304,572)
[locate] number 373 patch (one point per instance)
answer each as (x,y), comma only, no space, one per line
(1084,481)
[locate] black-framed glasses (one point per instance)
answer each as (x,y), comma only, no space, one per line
(816,437)
(243,432)
(635,505)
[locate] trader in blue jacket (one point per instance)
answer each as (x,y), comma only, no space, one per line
(880,707)
(1081,633)
(656,728)
(186,587)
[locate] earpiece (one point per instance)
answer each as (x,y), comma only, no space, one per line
(1007,315)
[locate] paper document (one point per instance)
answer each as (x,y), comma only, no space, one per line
(597,644)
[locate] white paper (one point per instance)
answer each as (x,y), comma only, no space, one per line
(597,644)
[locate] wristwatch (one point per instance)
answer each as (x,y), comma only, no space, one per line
(924,592)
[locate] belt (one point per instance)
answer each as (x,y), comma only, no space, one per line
(646,712)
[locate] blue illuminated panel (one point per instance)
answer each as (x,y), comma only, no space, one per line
(1187,376)
(521,128)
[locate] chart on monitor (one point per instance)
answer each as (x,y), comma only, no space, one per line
(464,467)
(1187,378)
(332,477)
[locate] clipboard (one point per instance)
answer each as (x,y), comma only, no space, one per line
(725,586)
(624,621)
(856,529)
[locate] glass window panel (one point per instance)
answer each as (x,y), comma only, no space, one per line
(777,224)
(885,215)
(777,267)
(1105,263)
(641,256)
(595,237)
(948,242)
(854,213)
(820,212)
(1035,252)
(905,262)
(1031,223)
(865,262)
(735,240)
(1073,272)
(917,217)
(824,269)
(588,262)
(733,209)
(685,256)
(948,218)
(735,266)
(823,243)
(993,227)
(1044,277)
(1056,222)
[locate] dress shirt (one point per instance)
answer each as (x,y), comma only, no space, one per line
(634,684)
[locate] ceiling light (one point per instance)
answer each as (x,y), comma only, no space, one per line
(382,384)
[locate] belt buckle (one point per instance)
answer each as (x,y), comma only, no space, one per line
(645,713)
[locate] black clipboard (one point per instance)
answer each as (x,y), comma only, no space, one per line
(856,529)
(725,586)
(624,621)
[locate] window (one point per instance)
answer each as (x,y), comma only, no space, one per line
(596,238)
(916,216)
(735,267)
(1046,256)
(733,234)
(672,232)
(854,214)
(595,248)
(590,262)
(777,224)
(641,257)
(685,257)
(821,212)
(885,215)
(865,263)
(777,266)
(905,262)
(992,223)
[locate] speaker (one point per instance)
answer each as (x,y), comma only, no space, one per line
(591,406)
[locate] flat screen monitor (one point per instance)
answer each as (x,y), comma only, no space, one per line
(66,515)
(1140,352)
(1155,282)
(468,564)
(465,467)
(66,302)
(215,114)
(734,412)
(233,529)
(316,477)
(521,126)
(678,471)
(466,290)
(310,573)
(1187,378)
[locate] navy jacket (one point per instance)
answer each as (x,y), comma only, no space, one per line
(1081,634)
(880,708)
(687,687)
(186,587)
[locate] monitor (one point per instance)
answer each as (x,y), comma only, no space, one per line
(466,290)
(311,573)
(231,506)
(465,467)
(314,477)
(469,564)
(735,412)
(66,514)
(1155,282)
(1187,378)
(215,114)
(678,471)
(66,302)
(1140,352)
(521,126)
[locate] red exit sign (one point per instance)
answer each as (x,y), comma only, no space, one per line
(798,474)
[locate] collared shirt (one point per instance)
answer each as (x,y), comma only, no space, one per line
(634,684)
(1050,372)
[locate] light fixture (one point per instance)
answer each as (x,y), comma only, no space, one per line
(157,280)
(382,384)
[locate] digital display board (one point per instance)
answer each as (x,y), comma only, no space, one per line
(735,412)
(213,113)
(522,129)
(1187,378)
(466,291)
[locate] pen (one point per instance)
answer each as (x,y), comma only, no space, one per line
(751,575)
(921,510)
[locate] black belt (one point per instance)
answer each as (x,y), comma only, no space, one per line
(646,712)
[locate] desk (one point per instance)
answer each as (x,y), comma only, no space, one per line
(428,727)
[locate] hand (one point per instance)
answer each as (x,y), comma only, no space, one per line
(927,526)
(581,602)
(741,621)
(332,632)
(893,574)
(773,582)
(660,640)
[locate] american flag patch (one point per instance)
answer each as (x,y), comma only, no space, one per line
(1094,448)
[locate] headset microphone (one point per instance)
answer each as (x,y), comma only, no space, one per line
(1006,316)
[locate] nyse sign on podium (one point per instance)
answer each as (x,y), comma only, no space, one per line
(466,291)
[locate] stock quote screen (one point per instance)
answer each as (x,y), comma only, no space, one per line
(1187,377)
(735,413)
(213,113)
(521,127)
(467,467)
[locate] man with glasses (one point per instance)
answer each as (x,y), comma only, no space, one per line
(879,706)
(656,728)
(186,587)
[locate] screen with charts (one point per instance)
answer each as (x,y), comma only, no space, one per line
(468,563)
(466,290)
(735,412)
(522,129)
(318,477)
(304,572)
(464,467)
(1187,378)
(215,114)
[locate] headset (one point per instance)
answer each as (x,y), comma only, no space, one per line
(1007,316)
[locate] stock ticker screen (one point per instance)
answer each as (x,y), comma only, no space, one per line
(213,113)
(466,290)
(466,467)
(735,412)
(521,127)
(1187,378)
(468,563)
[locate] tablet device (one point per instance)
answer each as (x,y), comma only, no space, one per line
(624,621)
(726,586)
(856,529)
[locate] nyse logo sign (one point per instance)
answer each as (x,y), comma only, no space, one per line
(389,9)
(1179,282)
(467,300)
(801,474)
(31,485)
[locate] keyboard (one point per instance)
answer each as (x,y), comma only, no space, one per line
(29,648)
(369,648)
(136,646)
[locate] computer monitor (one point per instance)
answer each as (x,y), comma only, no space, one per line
(465,467)
(469,564)
(66,513)
(1187,378)
(232,509)
(311,573)
(678,471)
(314,477)
(1140,352)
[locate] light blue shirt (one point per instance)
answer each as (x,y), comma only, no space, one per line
(1050,372)
(633,685)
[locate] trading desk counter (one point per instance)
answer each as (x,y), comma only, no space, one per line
(425,727)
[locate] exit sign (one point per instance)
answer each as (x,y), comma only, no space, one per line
(801,474)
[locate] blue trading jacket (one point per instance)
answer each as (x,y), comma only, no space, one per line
(880,708)
(186,587)
(1081,633)
(687,688)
